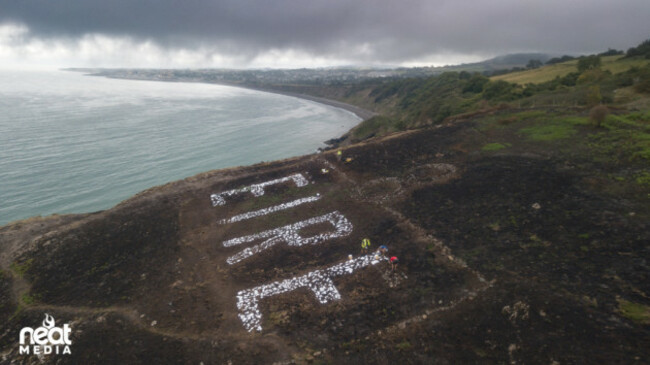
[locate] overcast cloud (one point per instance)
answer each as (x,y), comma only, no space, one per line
(308,33)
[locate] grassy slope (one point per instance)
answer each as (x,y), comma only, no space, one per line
(557,119)
(614,64)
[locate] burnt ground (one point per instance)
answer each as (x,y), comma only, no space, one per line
(504,258)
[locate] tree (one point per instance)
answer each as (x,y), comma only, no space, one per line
(559,59)
(534,64)
(588,63)
(642,49)
(570,79)
(498,89)
(476,83)
(464,75)
(611,52)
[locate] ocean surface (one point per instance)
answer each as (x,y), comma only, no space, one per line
(71,143)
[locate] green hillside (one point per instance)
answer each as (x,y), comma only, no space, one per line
(613,64)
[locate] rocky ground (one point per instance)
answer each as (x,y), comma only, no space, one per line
(513,256)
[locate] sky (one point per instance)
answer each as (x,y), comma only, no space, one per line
(307,33)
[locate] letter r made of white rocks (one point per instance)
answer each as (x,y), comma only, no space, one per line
(291,235)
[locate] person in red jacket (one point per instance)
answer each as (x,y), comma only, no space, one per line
(393,263)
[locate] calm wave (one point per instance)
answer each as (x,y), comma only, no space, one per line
(72,143)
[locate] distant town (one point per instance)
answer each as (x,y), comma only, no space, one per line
(319,76)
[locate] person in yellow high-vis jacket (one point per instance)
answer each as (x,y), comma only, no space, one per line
(365,245)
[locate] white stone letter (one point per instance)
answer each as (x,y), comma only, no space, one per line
(257,189)
(291,235)
(319,282)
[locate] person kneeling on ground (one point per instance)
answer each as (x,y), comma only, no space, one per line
(383,249)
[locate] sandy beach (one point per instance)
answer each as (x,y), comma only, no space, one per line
(360,112)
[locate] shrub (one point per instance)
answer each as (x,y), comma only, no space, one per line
(642,49)
(593,95)
(592,75)
(475,83)
(643,80)
(611,52)
(559,59)
(598,114)
(534,64)
(570,79)
(588,63)
(464,75)
(498,90)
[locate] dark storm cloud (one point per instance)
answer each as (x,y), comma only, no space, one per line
(377,31)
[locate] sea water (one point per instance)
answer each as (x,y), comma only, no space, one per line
(71,143)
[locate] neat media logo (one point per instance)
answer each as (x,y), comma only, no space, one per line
(46,340)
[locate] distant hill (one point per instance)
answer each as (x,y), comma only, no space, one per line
(498,63)
(516,59)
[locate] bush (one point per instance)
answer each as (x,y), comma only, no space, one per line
(592,75)
(593,95)
(534,64)
(464,75)
(570,79)
(588,63)
(475,83)
(624,79)
(559,59)
(598,114)
(611,52)
(642,49)
(498,90)
(642,84)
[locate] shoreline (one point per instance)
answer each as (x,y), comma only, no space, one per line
(363,114)
(320,144)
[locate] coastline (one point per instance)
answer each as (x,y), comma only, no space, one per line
(338,123)
(362,113)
